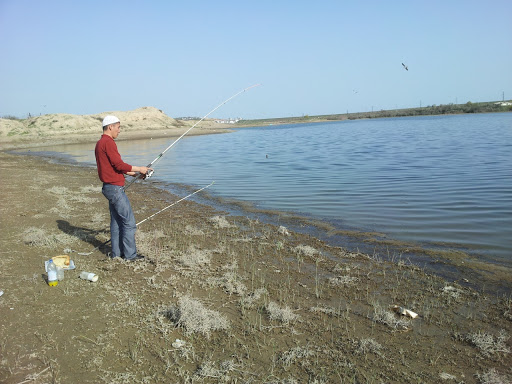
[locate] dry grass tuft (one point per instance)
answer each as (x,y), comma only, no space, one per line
(447,376)
(208,369)
(91,189)
(282,314)
(324,309)
(99,218)
(195,258)
(35,236)
(293,355)
(59,190)
(38,237)
(508,309)
(220,222)
(488,344)
(230,282)
(194,317)
(147,243)
(492,376)
(452,292)
(250,300)
(365,346)
(342,280)
(306,250)
(62,208)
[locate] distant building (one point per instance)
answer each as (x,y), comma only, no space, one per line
(503,103)
(228,121)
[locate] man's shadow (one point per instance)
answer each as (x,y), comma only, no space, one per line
(85,234)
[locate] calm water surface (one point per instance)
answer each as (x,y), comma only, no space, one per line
(442,179)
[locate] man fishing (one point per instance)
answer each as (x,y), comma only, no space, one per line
(111,170)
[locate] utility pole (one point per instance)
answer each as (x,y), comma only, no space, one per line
(503,96)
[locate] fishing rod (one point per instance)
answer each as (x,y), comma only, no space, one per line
(176,202)
(160,156)
(150,173)
(150,217)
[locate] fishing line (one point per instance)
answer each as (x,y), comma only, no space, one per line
(149,217)
(187,131)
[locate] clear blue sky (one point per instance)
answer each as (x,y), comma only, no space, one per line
(311,57)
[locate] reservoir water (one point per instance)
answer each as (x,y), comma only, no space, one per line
(435,181)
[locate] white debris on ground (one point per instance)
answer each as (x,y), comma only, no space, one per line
(178,343)
(283,231)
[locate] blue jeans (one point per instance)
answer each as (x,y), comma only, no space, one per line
(122,222)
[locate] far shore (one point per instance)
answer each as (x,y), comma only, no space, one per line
(149,122)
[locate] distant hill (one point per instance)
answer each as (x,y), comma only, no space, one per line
(61,123)
(65,128)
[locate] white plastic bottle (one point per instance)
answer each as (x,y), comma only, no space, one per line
(89,276)
(52,274)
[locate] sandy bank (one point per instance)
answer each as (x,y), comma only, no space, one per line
(52,129)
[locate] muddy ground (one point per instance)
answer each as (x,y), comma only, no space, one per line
(220,299)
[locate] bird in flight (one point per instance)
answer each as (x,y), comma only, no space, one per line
(405,66)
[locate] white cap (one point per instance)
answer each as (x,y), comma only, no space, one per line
(110,120)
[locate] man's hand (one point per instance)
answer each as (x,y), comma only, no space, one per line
(141,170)
(144,170)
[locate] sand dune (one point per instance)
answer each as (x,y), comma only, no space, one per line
(66,128)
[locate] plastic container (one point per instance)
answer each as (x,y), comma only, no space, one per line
(60,274)
(89,276)
(52,274)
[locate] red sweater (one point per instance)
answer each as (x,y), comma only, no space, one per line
(110,166)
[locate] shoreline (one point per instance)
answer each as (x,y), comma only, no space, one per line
(465,268)
(268,302)
(93,138)
(383,114)
(159,129)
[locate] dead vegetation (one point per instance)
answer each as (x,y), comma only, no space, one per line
(283,314)
(40,237)
(490,345)
(193,316)
(492,376)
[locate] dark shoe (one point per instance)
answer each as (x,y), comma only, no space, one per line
(136,258)
(112,257)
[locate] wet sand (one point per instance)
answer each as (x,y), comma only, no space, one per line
(250,301)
